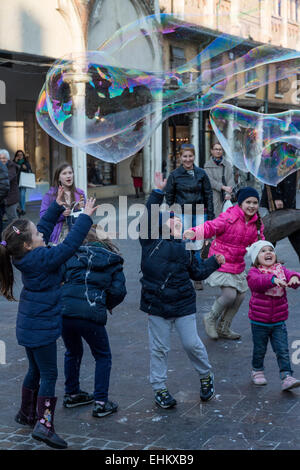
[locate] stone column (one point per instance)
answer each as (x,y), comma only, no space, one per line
(194,132)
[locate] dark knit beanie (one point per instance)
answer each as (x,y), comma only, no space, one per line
(246,192)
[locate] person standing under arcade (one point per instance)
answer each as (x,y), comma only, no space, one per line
(189,184)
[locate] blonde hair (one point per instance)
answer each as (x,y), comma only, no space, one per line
(185,147)
(97,234)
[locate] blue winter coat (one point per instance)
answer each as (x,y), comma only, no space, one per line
(168,267)
(94,282)
(39,313)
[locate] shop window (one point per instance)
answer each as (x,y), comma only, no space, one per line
(177,57)
(100,173)
(250,77)
(278,89)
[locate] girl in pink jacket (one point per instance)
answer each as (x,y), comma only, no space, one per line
(268,311)
(234,230)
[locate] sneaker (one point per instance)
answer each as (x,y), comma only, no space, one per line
(207,389)
(258,377)
(78,399)
(164,399)
(104,409)
(289,382)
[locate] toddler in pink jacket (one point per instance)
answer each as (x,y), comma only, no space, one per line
(268,310)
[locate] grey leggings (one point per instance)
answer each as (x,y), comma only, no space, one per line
(230,298)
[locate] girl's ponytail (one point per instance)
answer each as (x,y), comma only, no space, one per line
(6,273)
(14,237)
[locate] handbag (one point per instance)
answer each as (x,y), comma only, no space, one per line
(27,180)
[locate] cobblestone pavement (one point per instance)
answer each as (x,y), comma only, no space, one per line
(240,416)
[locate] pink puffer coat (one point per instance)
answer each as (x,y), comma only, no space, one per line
(266,308)
(233,235)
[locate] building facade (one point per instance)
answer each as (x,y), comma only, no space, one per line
(30,42)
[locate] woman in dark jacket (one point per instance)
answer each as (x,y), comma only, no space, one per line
(12,198)
(190,185)
(21,160)
(169,298)
(94,283)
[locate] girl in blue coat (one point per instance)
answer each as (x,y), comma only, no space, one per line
(39,313)
(94,283)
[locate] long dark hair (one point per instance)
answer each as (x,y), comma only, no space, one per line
(14,236)
(56,181)
(24,156)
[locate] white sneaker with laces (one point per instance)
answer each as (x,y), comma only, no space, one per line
(289,382)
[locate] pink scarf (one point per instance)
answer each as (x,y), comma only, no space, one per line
(276,270)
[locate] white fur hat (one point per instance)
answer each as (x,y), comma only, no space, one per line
(255,248)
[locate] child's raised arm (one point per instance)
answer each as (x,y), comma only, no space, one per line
(50,217)
(259,282)
(156,198)
(209,229)
(52,258)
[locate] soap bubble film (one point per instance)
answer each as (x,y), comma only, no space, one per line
(102,103)
(267,145)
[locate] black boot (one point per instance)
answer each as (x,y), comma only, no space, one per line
(27,412)
(44,428)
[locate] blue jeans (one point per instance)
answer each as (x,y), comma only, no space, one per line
(279,342)
(73,330)
(42,371)
(22,199)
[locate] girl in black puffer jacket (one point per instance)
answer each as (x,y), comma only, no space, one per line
(94,283)
(169,298)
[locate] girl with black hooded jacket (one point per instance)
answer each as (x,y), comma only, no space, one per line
(94,283)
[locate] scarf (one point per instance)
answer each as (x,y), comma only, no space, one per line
(217,161)
(276,270)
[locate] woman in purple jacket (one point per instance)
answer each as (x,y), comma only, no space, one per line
(74,200)
(268,280)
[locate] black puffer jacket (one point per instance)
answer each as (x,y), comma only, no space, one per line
(13,195)
(168,267)
(4,182)
(182,188)
(285,191)
(94,282)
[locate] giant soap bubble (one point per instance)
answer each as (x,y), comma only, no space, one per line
(101,103)
(267,145)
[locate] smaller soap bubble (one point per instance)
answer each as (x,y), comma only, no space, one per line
(267,145)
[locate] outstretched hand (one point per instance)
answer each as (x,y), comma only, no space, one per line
(188,235)
(220,259)
(90,207)
(159,180)
(60,194)
(280,282)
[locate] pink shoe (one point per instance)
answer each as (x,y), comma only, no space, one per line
(258,377)
(289,382)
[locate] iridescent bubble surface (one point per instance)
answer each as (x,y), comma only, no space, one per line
(100,103)
(267,145)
